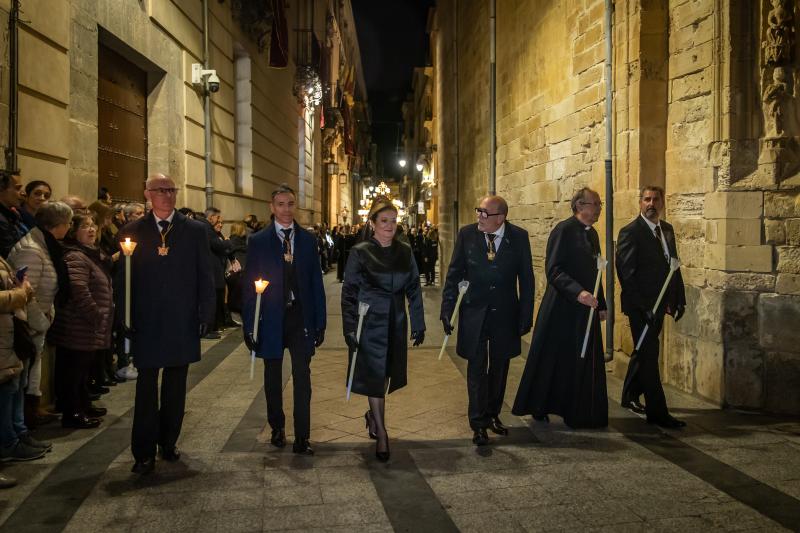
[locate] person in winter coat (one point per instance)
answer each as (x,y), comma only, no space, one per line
(83,323)
(381,272)
(40,252)
(16,442)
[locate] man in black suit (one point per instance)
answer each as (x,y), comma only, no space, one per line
(221,249)
(644,249)
(172,306)
(495,257)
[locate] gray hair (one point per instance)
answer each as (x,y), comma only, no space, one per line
(579,196)
(128,209)
(52,214)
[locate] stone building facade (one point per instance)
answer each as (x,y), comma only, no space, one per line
(705,104)
(71,51)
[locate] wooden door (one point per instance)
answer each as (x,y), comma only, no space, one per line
(122,126)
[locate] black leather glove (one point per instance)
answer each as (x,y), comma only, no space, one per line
(319,338)
(204,329)
(649,318)
(352,343)
(125,332)
(250,342)
(448,327)
(418,337)
(679,312)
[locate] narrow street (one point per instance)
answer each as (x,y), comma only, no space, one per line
(725,471)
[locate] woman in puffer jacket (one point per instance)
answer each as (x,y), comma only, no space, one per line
(40,252)
(16,442)
(83,323)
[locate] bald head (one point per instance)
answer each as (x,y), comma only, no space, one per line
(75,203)
(160,190)
(492,213)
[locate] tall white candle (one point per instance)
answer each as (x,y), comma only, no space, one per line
(127,249)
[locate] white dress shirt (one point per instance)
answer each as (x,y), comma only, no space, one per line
(661,230)
(498,237)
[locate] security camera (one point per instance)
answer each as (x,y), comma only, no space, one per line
(201,75)
(213,82)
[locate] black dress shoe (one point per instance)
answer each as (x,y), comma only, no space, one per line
(278,438)
(98,389)
(541,418)
(171,455)
(79,421)
(480,437)
(369,420)
(301,447)
(634,406)
(94,396)
(110,383)
(497,426)
(668,422)
(96,412)
(213,335)
(144,467)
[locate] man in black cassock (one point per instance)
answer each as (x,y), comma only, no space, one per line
(556,379)
(644,249)
(497,309)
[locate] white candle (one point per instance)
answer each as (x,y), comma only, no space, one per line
(261,286)
(127,249)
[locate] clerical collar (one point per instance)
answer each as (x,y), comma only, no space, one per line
(650,224)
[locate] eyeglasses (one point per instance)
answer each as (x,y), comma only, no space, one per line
(483,213)
(596,204)
(164,191)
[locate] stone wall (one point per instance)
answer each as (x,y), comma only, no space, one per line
(58,102)
(701,106)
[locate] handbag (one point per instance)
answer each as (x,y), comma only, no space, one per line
(24,346)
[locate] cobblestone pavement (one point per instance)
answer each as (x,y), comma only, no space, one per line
(725,471)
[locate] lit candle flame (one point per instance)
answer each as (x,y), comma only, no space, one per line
(128,246)
(261,285)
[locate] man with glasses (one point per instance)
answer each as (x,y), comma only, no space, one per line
(558,379)
(644,249)
(172,306)
(497,309)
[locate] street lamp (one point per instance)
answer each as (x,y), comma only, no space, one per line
(420,166)
(402,162)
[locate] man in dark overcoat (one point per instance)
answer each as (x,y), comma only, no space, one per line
(644,249)
(172,306)
(556,379)
(495,257)
(221,250)
(292,316)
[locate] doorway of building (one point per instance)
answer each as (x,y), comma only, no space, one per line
(122,126)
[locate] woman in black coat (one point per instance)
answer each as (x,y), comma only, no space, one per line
(381,272)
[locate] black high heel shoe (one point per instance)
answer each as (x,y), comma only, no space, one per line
(368,419)
(382,456)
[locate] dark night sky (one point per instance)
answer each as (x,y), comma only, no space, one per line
(392,39)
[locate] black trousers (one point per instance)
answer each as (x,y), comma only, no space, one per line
(155,424)
(643,376)
(294,339)
(74,367)
(486,385)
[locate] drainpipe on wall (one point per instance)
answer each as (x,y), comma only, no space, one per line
(13,102)
(207,113)
(609,12)
(492,96)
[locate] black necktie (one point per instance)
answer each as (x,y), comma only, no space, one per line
(164,226)
(287,240)
(657,229)
(491,237)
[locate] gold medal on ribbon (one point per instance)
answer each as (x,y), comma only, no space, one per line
(490,256)
(163,250)
(288,258)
